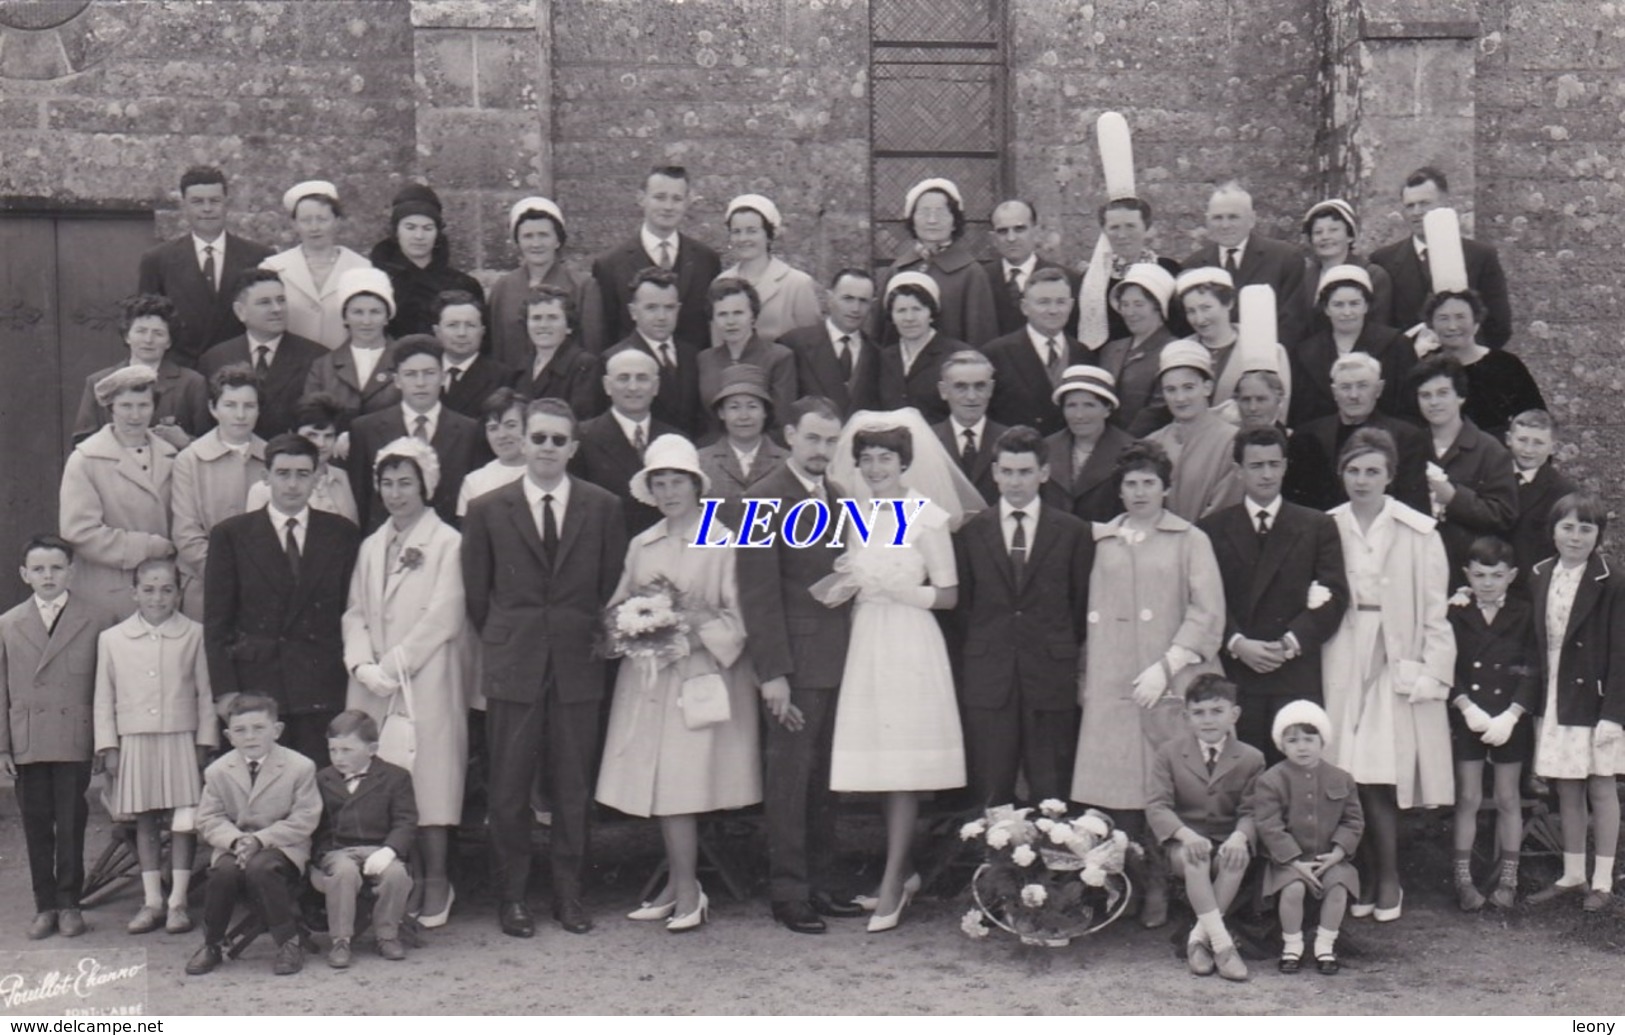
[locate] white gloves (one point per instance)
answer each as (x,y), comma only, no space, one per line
(1499,730)
(1150,685)
(372,676)
(378,862)
(1478,720)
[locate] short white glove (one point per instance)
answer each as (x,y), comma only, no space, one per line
(378,861)
(1500,728)
(371,675)
(1150,685)
(1478,720)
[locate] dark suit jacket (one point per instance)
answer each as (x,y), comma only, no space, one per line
(1531,540)
(1413,283)
(383,810)
(981,470)
(1486,500)
(1266,591)
(917,388)
(1591,664)
(697,267)
(1007,303)
(203,316)
(1311,475)
(1141,408)
(335,375)
(607,459)
(1496,664)
(818,372)
(1092,495)
(1021,642)
(1184,795)
(1021,385)
(484,376)
(1312,361)
(678,403)
(1272,262)
(787,632)
(574,375)
(263,631)
(538,622)
(180,397)
(284,382)
(457,440)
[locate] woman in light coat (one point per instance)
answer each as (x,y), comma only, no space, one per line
(1388,669)
(789,297)
(213,475)
(311,269)
(114,501)
(406,646)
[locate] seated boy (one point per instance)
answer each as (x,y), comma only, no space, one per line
(369,818)
(1200,783)
(258,810)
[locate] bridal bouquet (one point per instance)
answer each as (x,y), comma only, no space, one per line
(648,625)
(1048,878)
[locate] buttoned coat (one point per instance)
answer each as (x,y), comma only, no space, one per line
(1591,659)
(917,387)
(209,483)
(1141,409)
(1301,813)
(48,681)
(789,298)
(282,808)
(203,313)
(818,372)
(967,312)
(573,374)
(1486,499)
(335,375)
(1185,794)
(415,616)
(281,386)
(1092,493)
(510,339)
(1205,477)
(116,515)
(696,267)
(315,312)
(153,681)
(537,620)
(1021,385)
(179,397)
(775,361)
(1497,664)
(381,812)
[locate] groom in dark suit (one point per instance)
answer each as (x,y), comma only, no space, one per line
(197,272)
(274,592)
(1285,588)
(798,647)
(664,200)
(541,558)
(1023,597)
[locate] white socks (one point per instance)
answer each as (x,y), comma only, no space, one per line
(1212,931)
(1325,942)
(180,881)
(1292,944)
(1574,869)
(1602,876)
(152,886)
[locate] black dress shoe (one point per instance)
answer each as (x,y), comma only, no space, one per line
(205,960)
(515,920)
(71,923)
(44,925)
(798,917)
(825,904)
(572,915)
(290,958)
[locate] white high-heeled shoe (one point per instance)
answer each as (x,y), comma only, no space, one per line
(439,919)
(872,902)
(690,921)
(878,923)
(652,911)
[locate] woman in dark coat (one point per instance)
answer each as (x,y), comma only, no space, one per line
(417,257)
(180,396)
(536,225)
(556,366)
(935,213)
(1346,305)
(1083,456)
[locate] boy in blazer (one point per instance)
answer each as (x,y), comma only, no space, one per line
(664,200)
(1199,809)
(369,820)
(47,690)
(1023,600)
(541,558)
(258,810)
(275,590)
(1275,619)
(1531,439)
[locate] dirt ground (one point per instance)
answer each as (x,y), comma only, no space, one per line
(1436,960)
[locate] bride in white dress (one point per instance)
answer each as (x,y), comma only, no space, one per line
(897,720)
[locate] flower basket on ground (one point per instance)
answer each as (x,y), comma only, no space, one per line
(1049,878)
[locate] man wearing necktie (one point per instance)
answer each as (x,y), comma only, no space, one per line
(281,360)
(966,385)
(1251,258)
(612,443)
(1285,588)
(659,243)
(1028,363)
(656,307)
(1023,597)
(835,358)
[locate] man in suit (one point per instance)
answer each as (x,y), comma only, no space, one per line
(419,373)
(1272,554)
(612,444)
(664,200)
(258,810)
(798,647)
(196,272)
(541,558)
(1313,479)
(1015,235)
(1028,363)
(966,384)
(471,376)
(1023,597)
(655,309)
(47,688)
(1252,258)
(274,592)
(1406,262)
(282,360)
(836,359)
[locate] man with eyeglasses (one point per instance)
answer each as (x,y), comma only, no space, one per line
(541,557)
(1312,478)
(1015,234)
(612,443)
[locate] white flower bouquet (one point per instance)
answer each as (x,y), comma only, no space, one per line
(650,625)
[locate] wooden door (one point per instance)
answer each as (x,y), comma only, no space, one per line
(61,278)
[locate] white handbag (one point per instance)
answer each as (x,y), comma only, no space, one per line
(398,736)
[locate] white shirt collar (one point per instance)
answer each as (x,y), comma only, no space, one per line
(1006,509)
(1214,750)
(411,416)
(630,426)
(1024,268)
(1039,340)
(836,334)
(279,522)
(810,486)
(1526,477)
(651,243)
(255,344)
(462,364)
(980,428)
(1239,249)
(219,245)
(654,346)
(560,494)
(49,609)
(1273,510)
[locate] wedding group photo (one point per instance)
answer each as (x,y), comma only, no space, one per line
(954,507)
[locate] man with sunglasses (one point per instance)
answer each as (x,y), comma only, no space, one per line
(541,558)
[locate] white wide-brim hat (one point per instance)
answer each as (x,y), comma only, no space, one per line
(1097,381)
(667,453)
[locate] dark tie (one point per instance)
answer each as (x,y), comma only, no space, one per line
(666,359)
(1212,759)
(253,773)
(550,529)
(420,428)
(1018,546)
(453,376)
(843,354)
(1013,285)
(1230,261)
(665,255)
(1427,271)
(967,455)
(638,441)
(292,546)
(56,617)
(1263,523)
(262,360)
(208,265)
